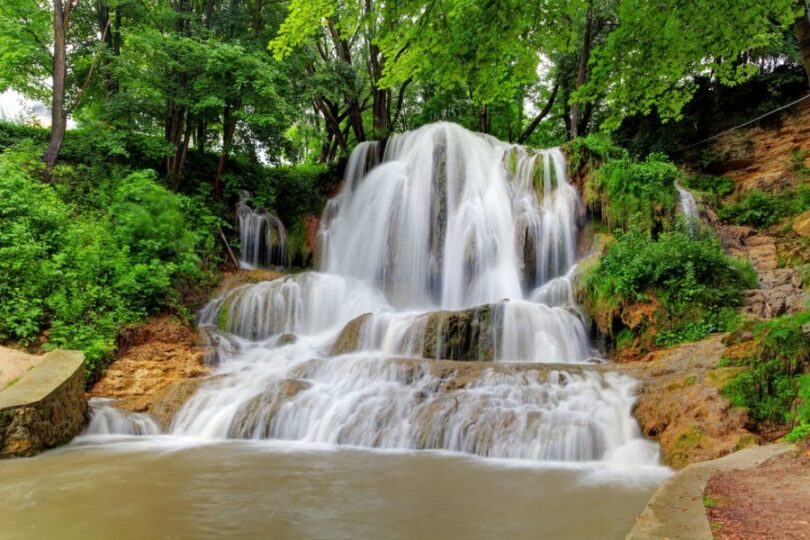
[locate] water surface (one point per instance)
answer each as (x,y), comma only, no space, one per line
(167,487)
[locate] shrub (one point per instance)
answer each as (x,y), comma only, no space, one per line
(758,209)
(762,210)
(776,363)
(690,282)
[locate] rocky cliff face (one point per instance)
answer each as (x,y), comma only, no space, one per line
(761,157)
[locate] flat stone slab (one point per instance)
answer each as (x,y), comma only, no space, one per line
(14,364)
(676,509)
(46,407)
(44,378)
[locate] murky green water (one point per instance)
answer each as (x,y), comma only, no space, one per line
(165,488)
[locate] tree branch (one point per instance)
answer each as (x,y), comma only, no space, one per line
(539,118)
(101,44)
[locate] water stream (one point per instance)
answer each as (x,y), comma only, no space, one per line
(453,246)
(262,236)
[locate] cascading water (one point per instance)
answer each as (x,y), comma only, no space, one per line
(262,236)
(454,246)
(687,206)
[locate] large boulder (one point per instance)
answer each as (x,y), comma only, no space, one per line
(349,338)
(467,334)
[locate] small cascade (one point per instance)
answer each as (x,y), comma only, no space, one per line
(262,236)
(687,206)
(105,419)
(443,316)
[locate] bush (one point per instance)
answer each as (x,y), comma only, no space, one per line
(758,209)
(627,193)
(778,358)
(801,430)
(690,282)
(762,210)
(73,279)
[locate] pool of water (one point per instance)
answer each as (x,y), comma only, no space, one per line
(171,487)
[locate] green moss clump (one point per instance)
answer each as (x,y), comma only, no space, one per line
(626,193)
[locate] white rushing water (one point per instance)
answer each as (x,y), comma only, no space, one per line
(457,246)
(687,206)
(262,236)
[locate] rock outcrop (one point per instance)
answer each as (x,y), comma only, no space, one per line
(466,334)
(760,157)
(680,403)
(780,288)
(349,338)
(46,407)
(159,365)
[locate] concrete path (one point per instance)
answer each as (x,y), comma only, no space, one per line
(676,510)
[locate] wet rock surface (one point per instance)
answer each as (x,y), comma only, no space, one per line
(349,338)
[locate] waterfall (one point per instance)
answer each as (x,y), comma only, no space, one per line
(453,247)
(687,206)
(262,236)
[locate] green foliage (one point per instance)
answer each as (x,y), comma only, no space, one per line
(595,148)
(628,193)
(774,378)
(74,279)
(761,209)
(650,61)
(758,209)
(801,430)
(713,188)
(695,282)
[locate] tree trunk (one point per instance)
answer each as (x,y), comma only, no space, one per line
(181,166)
(483,119)
(380,96)
(199,138)
(582,70)
(61,15)
(344,53)
(228,130)
(257,17)
(802,27)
